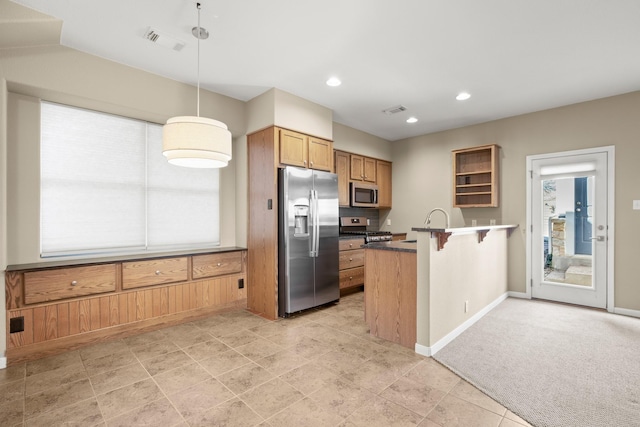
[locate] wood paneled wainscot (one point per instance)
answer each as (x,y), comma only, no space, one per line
(62,307)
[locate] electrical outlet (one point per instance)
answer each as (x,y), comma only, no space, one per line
(636,205)
(368,221)
(492,222)
(388,222)
(16,324)
(466,306)
(474,223)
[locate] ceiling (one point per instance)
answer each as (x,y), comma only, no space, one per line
(512,56)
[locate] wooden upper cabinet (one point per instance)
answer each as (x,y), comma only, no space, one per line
(298,149)
(294,149)
(341,163)
(362,169)
(320,154)
(475,177)
(383,179)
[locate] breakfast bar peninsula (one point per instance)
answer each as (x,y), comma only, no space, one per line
(423,293)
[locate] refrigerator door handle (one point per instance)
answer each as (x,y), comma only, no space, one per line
(316,224)
(313,218)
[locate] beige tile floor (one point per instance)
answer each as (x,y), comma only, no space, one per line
(321,368)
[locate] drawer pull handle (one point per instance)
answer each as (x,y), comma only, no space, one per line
(157,272)
(350,277)
(74,282)
(350,245)
(350,259)
(219,264)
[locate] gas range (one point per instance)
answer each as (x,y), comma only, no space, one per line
(357,225)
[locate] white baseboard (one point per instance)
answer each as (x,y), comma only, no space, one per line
(430,351)
(523,295)
(3,362)
(423,350)
(626,312)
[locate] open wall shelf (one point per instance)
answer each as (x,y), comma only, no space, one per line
(475,177)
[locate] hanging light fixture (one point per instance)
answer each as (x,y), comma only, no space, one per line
(194,141)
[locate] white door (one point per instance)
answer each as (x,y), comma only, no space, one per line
(569,226)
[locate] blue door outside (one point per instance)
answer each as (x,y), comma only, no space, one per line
(583,222)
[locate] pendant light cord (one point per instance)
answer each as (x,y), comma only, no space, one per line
(199,36)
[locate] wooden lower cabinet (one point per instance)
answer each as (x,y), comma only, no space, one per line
(351,262)
(390,289)
(66,324)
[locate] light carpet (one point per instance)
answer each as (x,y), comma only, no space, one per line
(553,364)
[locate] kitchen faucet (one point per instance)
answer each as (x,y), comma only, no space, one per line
(428,220)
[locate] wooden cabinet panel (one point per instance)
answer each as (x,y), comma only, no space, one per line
(362,169)
(399,236)
(351,259)
(383,180)
(390,295)
(293,148)
(351,277)
(369,169)
(55,284)
(348,244)
(212,265)
(320,154)
(298,149)
(356,171)
(137,274)
(341,163)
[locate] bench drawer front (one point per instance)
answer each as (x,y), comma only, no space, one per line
(55,284)
(137,274)
(211,265)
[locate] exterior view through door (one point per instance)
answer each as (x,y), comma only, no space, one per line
(569,246)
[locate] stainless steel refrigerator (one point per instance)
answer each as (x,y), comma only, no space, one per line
(307,239)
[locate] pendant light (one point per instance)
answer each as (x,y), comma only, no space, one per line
(194,141)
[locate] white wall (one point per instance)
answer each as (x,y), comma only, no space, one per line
(422,176)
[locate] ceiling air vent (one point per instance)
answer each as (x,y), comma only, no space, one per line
(154,36)
(394,110)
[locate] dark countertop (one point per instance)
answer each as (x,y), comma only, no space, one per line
(397,245)
(120,258)
(351,236)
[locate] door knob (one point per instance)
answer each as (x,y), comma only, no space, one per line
(598,238)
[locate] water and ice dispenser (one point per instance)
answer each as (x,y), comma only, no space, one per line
(301,220)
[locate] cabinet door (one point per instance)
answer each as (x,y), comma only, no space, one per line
(320,154)
(342,170)
(369,169)
(383,179)
(293,148)
(357,168)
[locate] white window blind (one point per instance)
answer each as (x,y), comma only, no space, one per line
(106,187)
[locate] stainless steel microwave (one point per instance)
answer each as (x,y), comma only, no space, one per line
(364,195)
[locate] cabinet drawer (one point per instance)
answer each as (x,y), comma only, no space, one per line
(50,285)
(137,274)
(216,264)
(351,277)
(350,259)
(348,244)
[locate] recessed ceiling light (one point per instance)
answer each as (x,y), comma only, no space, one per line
(334,81)
(412,120)
(462,96)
